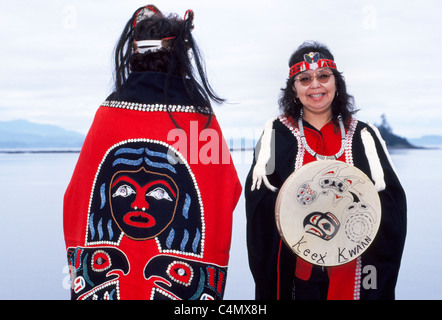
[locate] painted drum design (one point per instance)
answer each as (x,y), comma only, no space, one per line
(328,212)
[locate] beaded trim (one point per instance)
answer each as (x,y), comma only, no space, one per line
(107,257)
(349,138)
(301,150)
(190,269)
(358,277)
(161,291)
(106,294)
(153,107)
(317,155)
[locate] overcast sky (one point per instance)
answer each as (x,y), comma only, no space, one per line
(56,64)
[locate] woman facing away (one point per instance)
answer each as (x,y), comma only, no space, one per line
(317,124)
(148,210)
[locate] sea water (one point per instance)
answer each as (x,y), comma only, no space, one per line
(33,261)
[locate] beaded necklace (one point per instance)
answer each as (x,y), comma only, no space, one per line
(320,156)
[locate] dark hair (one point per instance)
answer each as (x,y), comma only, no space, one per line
(173,60)
(343,103)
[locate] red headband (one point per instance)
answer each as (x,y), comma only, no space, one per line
(312,62)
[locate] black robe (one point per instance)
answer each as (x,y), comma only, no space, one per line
(273,263)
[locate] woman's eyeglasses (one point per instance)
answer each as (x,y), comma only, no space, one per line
(306,79)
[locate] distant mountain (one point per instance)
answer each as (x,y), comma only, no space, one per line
(22,134)
(429,140)
(392,140)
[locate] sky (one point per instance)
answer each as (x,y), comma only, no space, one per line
(56,65)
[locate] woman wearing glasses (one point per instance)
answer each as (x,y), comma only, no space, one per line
(317,128)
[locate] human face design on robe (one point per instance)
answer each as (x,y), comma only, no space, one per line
(145,224)
(143,203)
(145,190)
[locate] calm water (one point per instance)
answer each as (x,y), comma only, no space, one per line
(33,263)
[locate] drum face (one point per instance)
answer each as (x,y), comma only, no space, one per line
(328,212)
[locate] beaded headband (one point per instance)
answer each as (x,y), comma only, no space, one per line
(311,62)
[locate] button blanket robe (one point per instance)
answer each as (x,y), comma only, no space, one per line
(148,211)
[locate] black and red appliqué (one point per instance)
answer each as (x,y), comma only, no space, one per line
(144,190)
(145,203)
(95,272)
(183,279)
